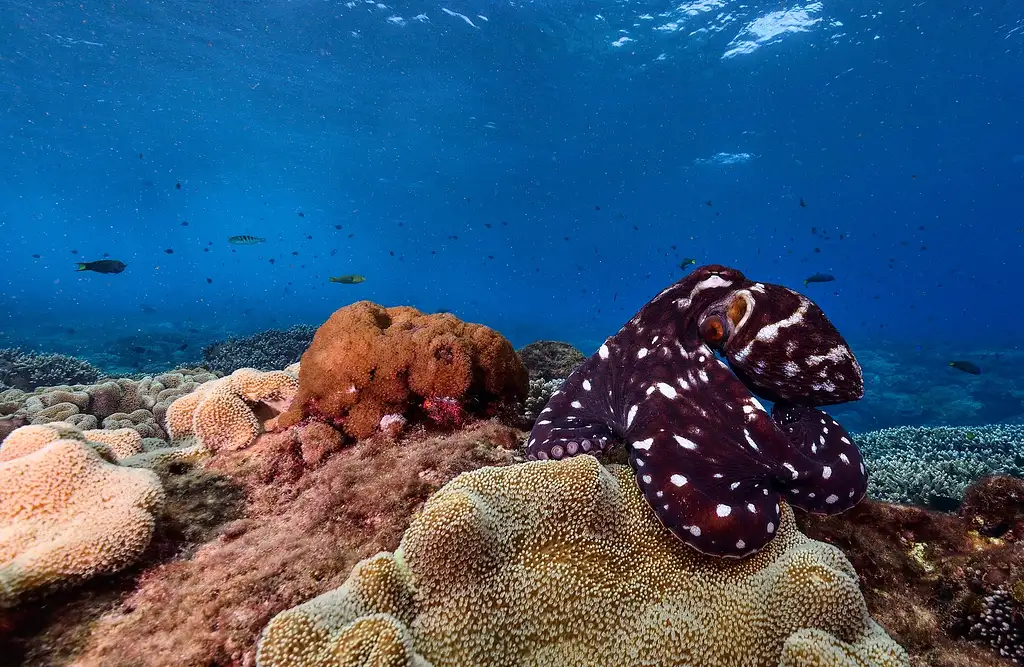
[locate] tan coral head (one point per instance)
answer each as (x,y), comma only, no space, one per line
(563,563)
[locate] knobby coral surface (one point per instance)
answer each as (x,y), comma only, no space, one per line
(229,412)
(563,563)
(67,513)
(113,404)
(366,362)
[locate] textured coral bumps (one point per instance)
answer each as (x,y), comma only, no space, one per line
(222,413)
(563,563)
(66,512)
(367,362)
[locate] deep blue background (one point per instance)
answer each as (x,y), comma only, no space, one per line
(898,123)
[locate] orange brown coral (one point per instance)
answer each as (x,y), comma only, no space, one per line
(367,361)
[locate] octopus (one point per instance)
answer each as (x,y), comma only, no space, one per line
(678,385)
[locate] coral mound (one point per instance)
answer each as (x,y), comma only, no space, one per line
(67,514)
(222,413)
(367,361)
(563,563)
(551,360)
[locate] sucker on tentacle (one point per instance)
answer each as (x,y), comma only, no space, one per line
(710,460)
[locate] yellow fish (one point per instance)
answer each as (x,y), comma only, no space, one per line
(348,280)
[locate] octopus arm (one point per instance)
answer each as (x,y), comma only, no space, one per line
(828,474)
(709,459)
(578,419)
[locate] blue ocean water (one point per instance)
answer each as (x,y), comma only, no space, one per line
(539,167)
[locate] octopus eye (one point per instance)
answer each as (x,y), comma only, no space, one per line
(712,330)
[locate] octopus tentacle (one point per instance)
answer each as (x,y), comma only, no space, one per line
(574,421)
(832,477)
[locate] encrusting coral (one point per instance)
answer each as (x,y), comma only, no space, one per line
(67,513)
(367,361)
(563,563)
(222,413)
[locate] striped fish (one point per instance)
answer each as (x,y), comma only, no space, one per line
(245,239)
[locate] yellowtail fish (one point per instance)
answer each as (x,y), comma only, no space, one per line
(348,280)
(245,239)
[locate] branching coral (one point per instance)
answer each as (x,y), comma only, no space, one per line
(550,360)
(366,362)
(266,350)
(932,466)
(220,413)
(28,370)
(67,514)
(563,563)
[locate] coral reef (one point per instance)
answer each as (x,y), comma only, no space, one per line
(538,395)
(231,411)
(503,562)
(264,351)
(29,370)
(906,385)
(933,580)
(112,404)
(305,525)
(366,362)
(931,466)
(550,360)
(66,513)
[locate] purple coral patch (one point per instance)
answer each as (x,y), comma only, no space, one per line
(710,461)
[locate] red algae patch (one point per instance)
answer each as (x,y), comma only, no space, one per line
(314,510)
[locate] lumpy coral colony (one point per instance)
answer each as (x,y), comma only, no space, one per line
(709,459)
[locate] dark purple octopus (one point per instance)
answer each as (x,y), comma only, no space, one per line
(709,459)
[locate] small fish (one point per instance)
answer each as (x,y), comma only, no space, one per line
(687,261)
(184,223)
(803,204)
(348,280)
(709,202)
(169,251)
(177,186)
(138,350)
(245,239)
(182,347)
(209,281)
(102,266)
(37,255)
(146,308)
(301,214)
(819,278)
(966,367)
